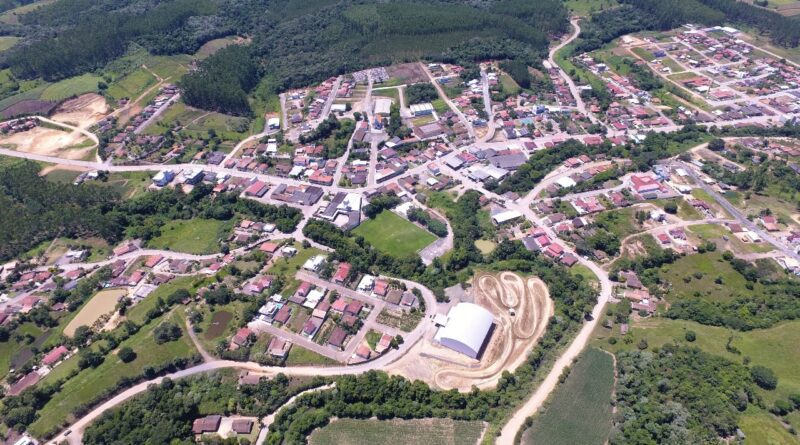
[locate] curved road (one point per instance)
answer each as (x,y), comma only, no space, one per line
(75,430)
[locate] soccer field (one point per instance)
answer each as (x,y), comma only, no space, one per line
(394,235)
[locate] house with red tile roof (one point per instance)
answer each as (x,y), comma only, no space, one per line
(54,356)
(342,272)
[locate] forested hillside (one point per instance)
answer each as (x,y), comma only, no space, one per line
(638,15)
(294,42)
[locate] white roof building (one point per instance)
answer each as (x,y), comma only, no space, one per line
(565,182)
(467,327)
(383,106)
(506,216)
(314,263)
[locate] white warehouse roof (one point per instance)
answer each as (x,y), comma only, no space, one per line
(466,329)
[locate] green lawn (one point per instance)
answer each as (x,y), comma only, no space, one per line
(287,267)
(74,86)
(91,383)
(197,236)
(394,235)
(169,67)
(213,46)
(138,312)
(398,432)
(509,85)
(299,356)
(580,409)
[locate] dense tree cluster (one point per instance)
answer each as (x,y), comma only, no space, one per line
(380,203)
(164,414)
(518,70)
(223,81)
(420,93)
(33,210)
(433,225)
(87,35)
(678,395)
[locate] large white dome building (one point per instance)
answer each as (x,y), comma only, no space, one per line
(466,329)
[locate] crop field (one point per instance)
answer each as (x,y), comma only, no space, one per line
(398,432)
(197,236)
(580,409)
(394,235)
(101,304)
(91,383)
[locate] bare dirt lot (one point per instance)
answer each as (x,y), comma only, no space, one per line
(408,73)
(83,111)
(50,142)
(512,339)
(103,303)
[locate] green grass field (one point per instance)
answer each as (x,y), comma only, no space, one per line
(131,85)
(90,383)
(74,86)
(197,236)
(777,348)
(12,16)
(11,347)
(585,8)
(299,356)
(715,233)
(7,42)
(213,46)
(580,409)
(394,235)
(138,312)
(761,428)
(398,432)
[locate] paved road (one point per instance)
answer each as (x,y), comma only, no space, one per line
(410,339)
(157,114)
(733,211)
(453,107)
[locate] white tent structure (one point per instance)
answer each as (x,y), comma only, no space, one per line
(466,329)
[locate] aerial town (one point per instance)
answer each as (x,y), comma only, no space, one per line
(434,250)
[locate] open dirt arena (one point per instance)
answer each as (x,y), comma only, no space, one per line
(49,142)
(83,111)
(513,336)
(103,303)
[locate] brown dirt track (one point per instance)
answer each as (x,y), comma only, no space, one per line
(513,337)
(508,348)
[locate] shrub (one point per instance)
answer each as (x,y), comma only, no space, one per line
(690,336)
(126,354)
(764,377)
